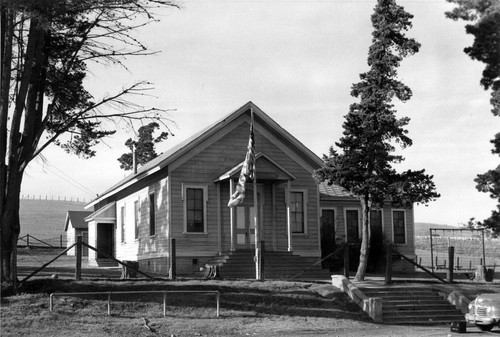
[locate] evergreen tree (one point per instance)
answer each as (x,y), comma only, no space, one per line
(485,27)
(144,147)
(363,166)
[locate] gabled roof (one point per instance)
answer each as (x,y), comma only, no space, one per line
(106,212)
(76,219)
(266,169)
(197,139)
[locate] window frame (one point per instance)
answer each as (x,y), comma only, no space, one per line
(123,216)
(304,210)
(358,210)
(152,213)
(405,226)
(204,189)
(137,218)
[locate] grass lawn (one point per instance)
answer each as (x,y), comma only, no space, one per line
(247,308)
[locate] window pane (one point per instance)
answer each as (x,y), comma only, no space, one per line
(194,210)
(152,215)
(352,226)
(297,212)
(399,226)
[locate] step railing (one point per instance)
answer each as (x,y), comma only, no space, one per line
(388,271)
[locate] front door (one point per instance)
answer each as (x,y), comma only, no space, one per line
(245,226)
(245,219)
(327,236)
(105,239)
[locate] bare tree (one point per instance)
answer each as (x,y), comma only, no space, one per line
(45,48)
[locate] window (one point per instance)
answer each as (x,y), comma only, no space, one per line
(152,215)
(195,210)
(399,227)
(122,223)
(137,218)
(352,225)
(297,212)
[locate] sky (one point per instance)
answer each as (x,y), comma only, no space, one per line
(297,60)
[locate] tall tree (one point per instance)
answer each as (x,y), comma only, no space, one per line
(143,147)
(484,16)
(363,165)
(45,48)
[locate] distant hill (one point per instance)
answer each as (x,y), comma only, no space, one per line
(422,228)
(45,219)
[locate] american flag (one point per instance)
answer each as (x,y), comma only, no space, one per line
(247,171)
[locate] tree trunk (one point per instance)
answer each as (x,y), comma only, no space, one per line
(9,224)
(365,239)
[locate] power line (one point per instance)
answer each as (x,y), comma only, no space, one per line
(63,176)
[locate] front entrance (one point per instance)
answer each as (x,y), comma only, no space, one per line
(327,237)
(105,241)
(245,219)
(245,227)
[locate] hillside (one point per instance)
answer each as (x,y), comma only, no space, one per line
(422,228)
(45,219)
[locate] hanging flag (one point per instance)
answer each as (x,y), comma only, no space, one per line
(247,171)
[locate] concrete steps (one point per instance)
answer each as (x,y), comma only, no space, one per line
(277,265)
(413,305)
(103,262)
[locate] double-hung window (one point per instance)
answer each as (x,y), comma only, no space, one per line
(137,218)
(152,214)
(195,212)
(122,223)
(297,212)
(399,226)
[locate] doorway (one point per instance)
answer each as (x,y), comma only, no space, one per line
(244,219)
(245,226)
(328,237)
(105,241)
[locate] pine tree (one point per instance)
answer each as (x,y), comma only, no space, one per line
(363,166)
(144,146)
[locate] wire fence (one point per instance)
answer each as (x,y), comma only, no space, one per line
(33,241)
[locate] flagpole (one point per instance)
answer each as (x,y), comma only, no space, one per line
(256,217)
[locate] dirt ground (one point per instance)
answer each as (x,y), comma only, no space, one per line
(247,308)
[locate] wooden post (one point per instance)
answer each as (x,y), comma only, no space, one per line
(78,270)
(388,265)
(261,256)
(27,240)
(346,260)
(451,258)
(172,273)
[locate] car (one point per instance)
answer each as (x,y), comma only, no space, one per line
(484,311)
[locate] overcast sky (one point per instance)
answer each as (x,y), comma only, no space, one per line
(297,61)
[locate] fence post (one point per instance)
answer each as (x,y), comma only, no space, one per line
(78,270)
(172,273)
(261,262)
(346,260)
(27,240)
(388,265)
(451,258)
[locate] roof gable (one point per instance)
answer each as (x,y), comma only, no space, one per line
(76,219)
(171,156)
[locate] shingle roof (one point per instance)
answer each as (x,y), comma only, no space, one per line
(330,192)
(77,219)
